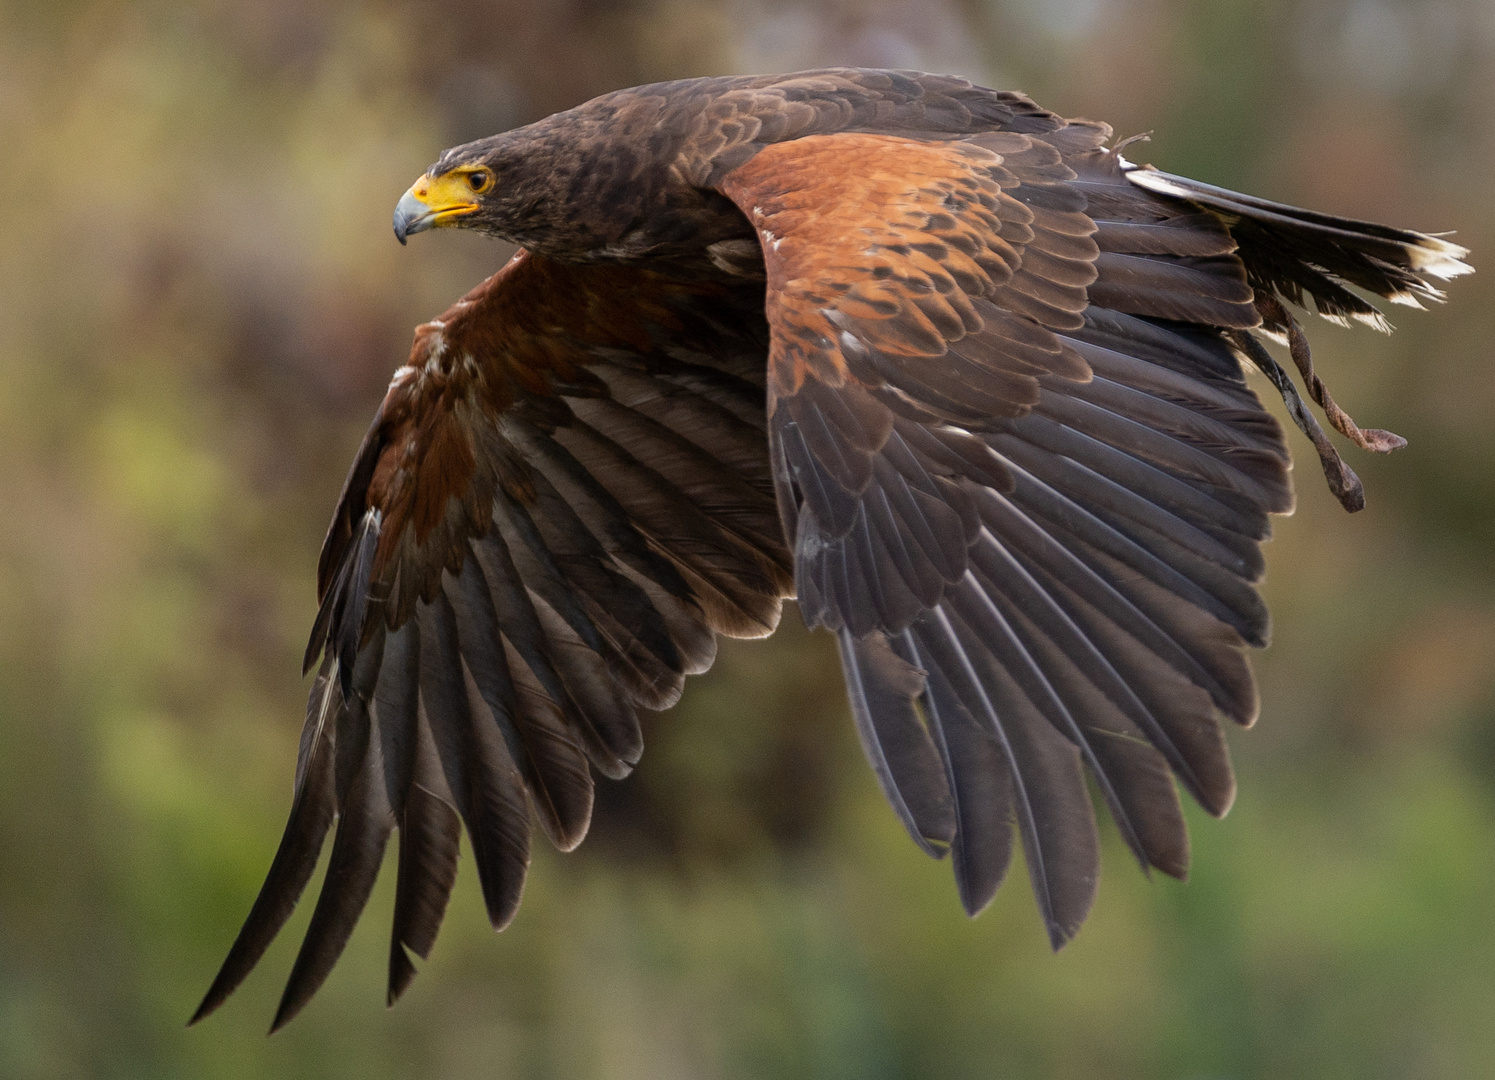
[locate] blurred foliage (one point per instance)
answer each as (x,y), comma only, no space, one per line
(200,304)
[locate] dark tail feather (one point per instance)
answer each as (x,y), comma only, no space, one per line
(1297,251)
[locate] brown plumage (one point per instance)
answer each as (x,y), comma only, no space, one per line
(933,360)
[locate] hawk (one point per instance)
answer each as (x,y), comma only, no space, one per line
(940,364)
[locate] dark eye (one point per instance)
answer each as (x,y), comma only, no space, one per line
(479,181)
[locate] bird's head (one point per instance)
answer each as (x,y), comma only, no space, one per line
(565,186)
(455,196)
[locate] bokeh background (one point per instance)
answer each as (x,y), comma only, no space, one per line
(200,305)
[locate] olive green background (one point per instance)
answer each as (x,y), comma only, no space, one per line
(200,304)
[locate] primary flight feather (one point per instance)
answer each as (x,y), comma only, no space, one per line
(937,362)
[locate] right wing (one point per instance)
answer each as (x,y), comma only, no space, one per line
(563,499)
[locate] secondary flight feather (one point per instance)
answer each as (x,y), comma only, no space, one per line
(939,363)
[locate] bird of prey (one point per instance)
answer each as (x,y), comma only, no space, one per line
(940,364)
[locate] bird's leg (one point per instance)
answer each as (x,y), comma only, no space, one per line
(1382,442)
(1343,482)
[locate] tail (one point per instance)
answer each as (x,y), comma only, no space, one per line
(1295,251)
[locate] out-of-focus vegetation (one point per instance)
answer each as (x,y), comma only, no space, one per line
(200,304)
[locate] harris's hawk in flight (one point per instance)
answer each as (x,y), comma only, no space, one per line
(933,360)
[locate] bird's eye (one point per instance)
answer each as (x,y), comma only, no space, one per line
(479,181)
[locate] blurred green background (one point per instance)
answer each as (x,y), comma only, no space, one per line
(200,305)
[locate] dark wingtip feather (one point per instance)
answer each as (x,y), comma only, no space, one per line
(340,616)
(401,973)
(350,880)
(312,655)
(1060,936)
(481,776)
(430,832)
(355,604)
(363,831)
(883,687)
(295,860)
(975,894)
(1220,801)
(283,1016)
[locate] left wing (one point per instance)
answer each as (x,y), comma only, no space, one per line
(1024,483)
(563,498)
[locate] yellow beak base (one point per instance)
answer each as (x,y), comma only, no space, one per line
(432,204)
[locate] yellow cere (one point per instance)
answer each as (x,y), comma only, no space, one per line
(453,194)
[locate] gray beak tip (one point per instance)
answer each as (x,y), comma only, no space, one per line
(411,216)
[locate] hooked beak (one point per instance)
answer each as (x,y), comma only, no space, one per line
(430,204)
